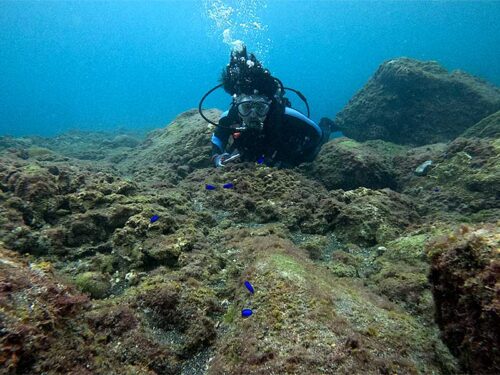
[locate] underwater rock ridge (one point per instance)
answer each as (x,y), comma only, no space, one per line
(129,264)
(417,102)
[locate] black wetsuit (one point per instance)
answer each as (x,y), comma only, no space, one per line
(288,137)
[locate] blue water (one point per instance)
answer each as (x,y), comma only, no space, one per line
(136,65)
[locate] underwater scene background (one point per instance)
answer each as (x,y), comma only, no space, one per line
(123,250)
(101,65)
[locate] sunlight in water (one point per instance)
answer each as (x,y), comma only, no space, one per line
(238,22)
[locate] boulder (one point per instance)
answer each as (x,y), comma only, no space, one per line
(488,127)
(465,277)
(463,180)
(346,164)
(417,102)
(369,217)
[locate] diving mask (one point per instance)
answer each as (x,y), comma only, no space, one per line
(253,111)
(259,107)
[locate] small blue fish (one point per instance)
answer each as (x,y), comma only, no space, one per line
(154,218)
(228,186)
(245,313)
(209,187)
(249,287)
(260,160)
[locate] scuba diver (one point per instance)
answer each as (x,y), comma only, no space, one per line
(260,126)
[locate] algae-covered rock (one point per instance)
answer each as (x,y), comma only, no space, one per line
(49,327)
(165,259)
(35,185)
(266,195)
(261,194)
(344,264)
(185,310)
(406,163)
(37,314)
(417,102)
(305,320)
(369,216)
(169,154)
(346,164)
(463,182)
(465,278)
(94,283)
(315,247)
(40,153)
(488,127)
(96,145)
(13,143)
(400,271)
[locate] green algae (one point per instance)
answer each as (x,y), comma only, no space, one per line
(316,247)
(295,298)
(230,315)
(303,318)
(409,248)
(33,169)
(387,148)
(462,183)
(400,272)
(39,152)
(343,270)
(94,283)
(288,267)
(349,143)
(398,330)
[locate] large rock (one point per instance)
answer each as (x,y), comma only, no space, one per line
(307,321)
(346,164)
(488,127)
(414,102)
(465,276)
(463,181)
(372,216)
(263,195)
(169,154)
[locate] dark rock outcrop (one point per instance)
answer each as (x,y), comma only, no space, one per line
(415,103)
(465,276)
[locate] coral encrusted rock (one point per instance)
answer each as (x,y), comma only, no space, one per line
(417,102)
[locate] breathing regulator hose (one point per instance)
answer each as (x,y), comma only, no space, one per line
(282,94)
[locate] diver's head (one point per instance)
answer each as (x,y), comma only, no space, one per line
(252,110)
(244,75)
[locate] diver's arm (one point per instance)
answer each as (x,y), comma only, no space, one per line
(220,139)
(221,135)
(219,142)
